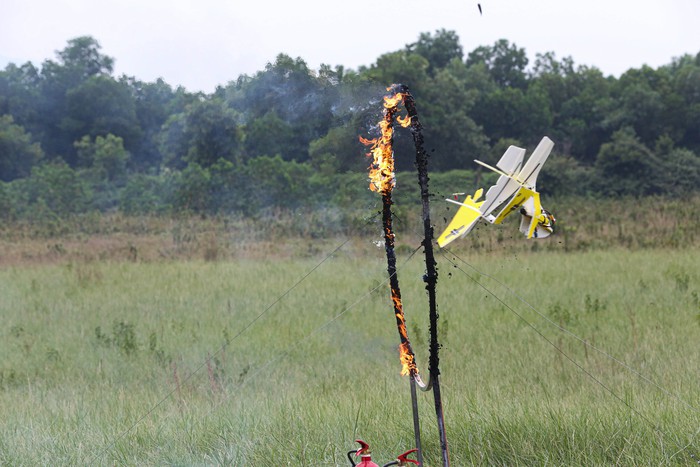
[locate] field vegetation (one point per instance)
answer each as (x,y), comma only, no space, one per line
(199,279)
(272,341)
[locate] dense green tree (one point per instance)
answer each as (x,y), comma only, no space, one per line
(97,107)
(478,80)
(579,101)
(439,50)
(19,95)
(641,103)
(286,86)
(205,132)
(282,136)
(269,135)
(56,187)
(505,62)
(554,80)
(154,103)
(454,137)
(338,151)
(514,113)
(402,67)
(580,124)
(565,176)
(231,188)
(681,172)
(625,166)
(685,82)
(18,153)
(192,190)
(276,182)
(82,59)
(547,65)
(105,156)
(6,205)
(78,62)
(147,194)
(505,106)
(289,91)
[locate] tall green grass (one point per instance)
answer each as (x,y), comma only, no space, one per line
(158,363)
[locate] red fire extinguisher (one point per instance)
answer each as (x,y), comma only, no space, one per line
(366,457)
(402,460)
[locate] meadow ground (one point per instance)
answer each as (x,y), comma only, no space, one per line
(129,349)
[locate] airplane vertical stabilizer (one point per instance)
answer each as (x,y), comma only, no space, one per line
(512,160)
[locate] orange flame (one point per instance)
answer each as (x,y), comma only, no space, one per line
(391,102)
(404,121)
(381,171)
(368,142)
(407,358)
(405,351)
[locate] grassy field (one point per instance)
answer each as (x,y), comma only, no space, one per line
(272,341)
(286,360)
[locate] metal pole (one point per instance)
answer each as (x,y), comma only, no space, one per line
(416,420)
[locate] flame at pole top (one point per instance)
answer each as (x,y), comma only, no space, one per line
(382,176)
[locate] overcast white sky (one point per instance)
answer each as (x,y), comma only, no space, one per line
(204,43)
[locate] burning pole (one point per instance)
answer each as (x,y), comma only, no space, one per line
(431,275)
(382,180)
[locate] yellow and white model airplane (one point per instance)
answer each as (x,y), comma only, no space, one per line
(514,190)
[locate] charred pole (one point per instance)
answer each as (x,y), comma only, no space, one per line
(382,180)
(431,275)
(406,351)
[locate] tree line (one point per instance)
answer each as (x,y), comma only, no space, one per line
(76,138)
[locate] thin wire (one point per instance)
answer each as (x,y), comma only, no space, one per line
(583,341)
(210,357)
(569,358)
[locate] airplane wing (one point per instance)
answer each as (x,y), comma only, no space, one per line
(498,194)
(464,220)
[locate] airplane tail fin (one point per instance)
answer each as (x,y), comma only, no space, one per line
(512,160)
(528,174)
